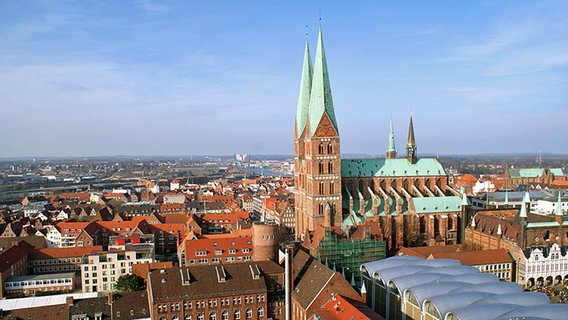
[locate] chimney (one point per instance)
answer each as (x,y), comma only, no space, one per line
(69,301)
(111,298)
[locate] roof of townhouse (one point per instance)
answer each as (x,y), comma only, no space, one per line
(11,256)
(340,308)
(208,281)
(67,252)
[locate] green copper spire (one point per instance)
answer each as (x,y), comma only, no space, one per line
(320,96)
(305,87)
(411,143)
(391,151)
(559,204)
(526,199)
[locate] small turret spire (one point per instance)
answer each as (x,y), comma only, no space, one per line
(559,204)
(391,151)
(526,200)
(411,143)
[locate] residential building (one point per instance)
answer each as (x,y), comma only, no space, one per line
(101,270)
(51,260)
(543,265)
(228,291)
(31,284)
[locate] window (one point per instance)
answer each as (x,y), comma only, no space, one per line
(249,313)
(225,315)
(200,316)
(320,148)
(329,148)
(237,314)
(330,167)
(320,167)
(213,316)
(260,312)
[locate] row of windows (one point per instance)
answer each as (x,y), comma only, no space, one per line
(218,260)
(58,268)
(224,315)
(548,267)
(211,303)
(36,282)
(492,267)
(56,261)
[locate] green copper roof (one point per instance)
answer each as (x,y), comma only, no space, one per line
(545,224)
(305,87)
(320,95)
(556,171)
(426,205)
(526,173)
(353,168)
(391,139)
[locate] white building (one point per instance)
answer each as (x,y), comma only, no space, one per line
(544,265)
(100,271)
(52,237)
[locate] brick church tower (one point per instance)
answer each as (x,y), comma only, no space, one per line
(317,162)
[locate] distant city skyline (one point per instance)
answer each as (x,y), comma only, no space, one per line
(157,78)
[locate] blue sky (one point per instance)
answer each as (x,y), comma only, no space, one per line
(86,78)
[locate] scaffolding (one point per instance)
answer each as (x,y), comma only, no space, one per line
(346,255)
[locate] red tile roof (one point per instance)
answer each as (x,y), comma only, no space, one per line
(67,252)
(339,308)
(468,258)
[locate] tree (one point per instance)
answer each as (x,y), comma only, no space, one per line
(130,282)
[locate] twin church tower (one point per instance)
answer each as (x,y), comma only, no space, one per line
(321,196)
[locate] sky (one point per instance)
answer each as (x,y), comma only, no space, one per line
(102,78)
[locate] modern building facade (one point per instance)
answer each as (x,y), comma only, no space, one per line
(101,270)
(408,287)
